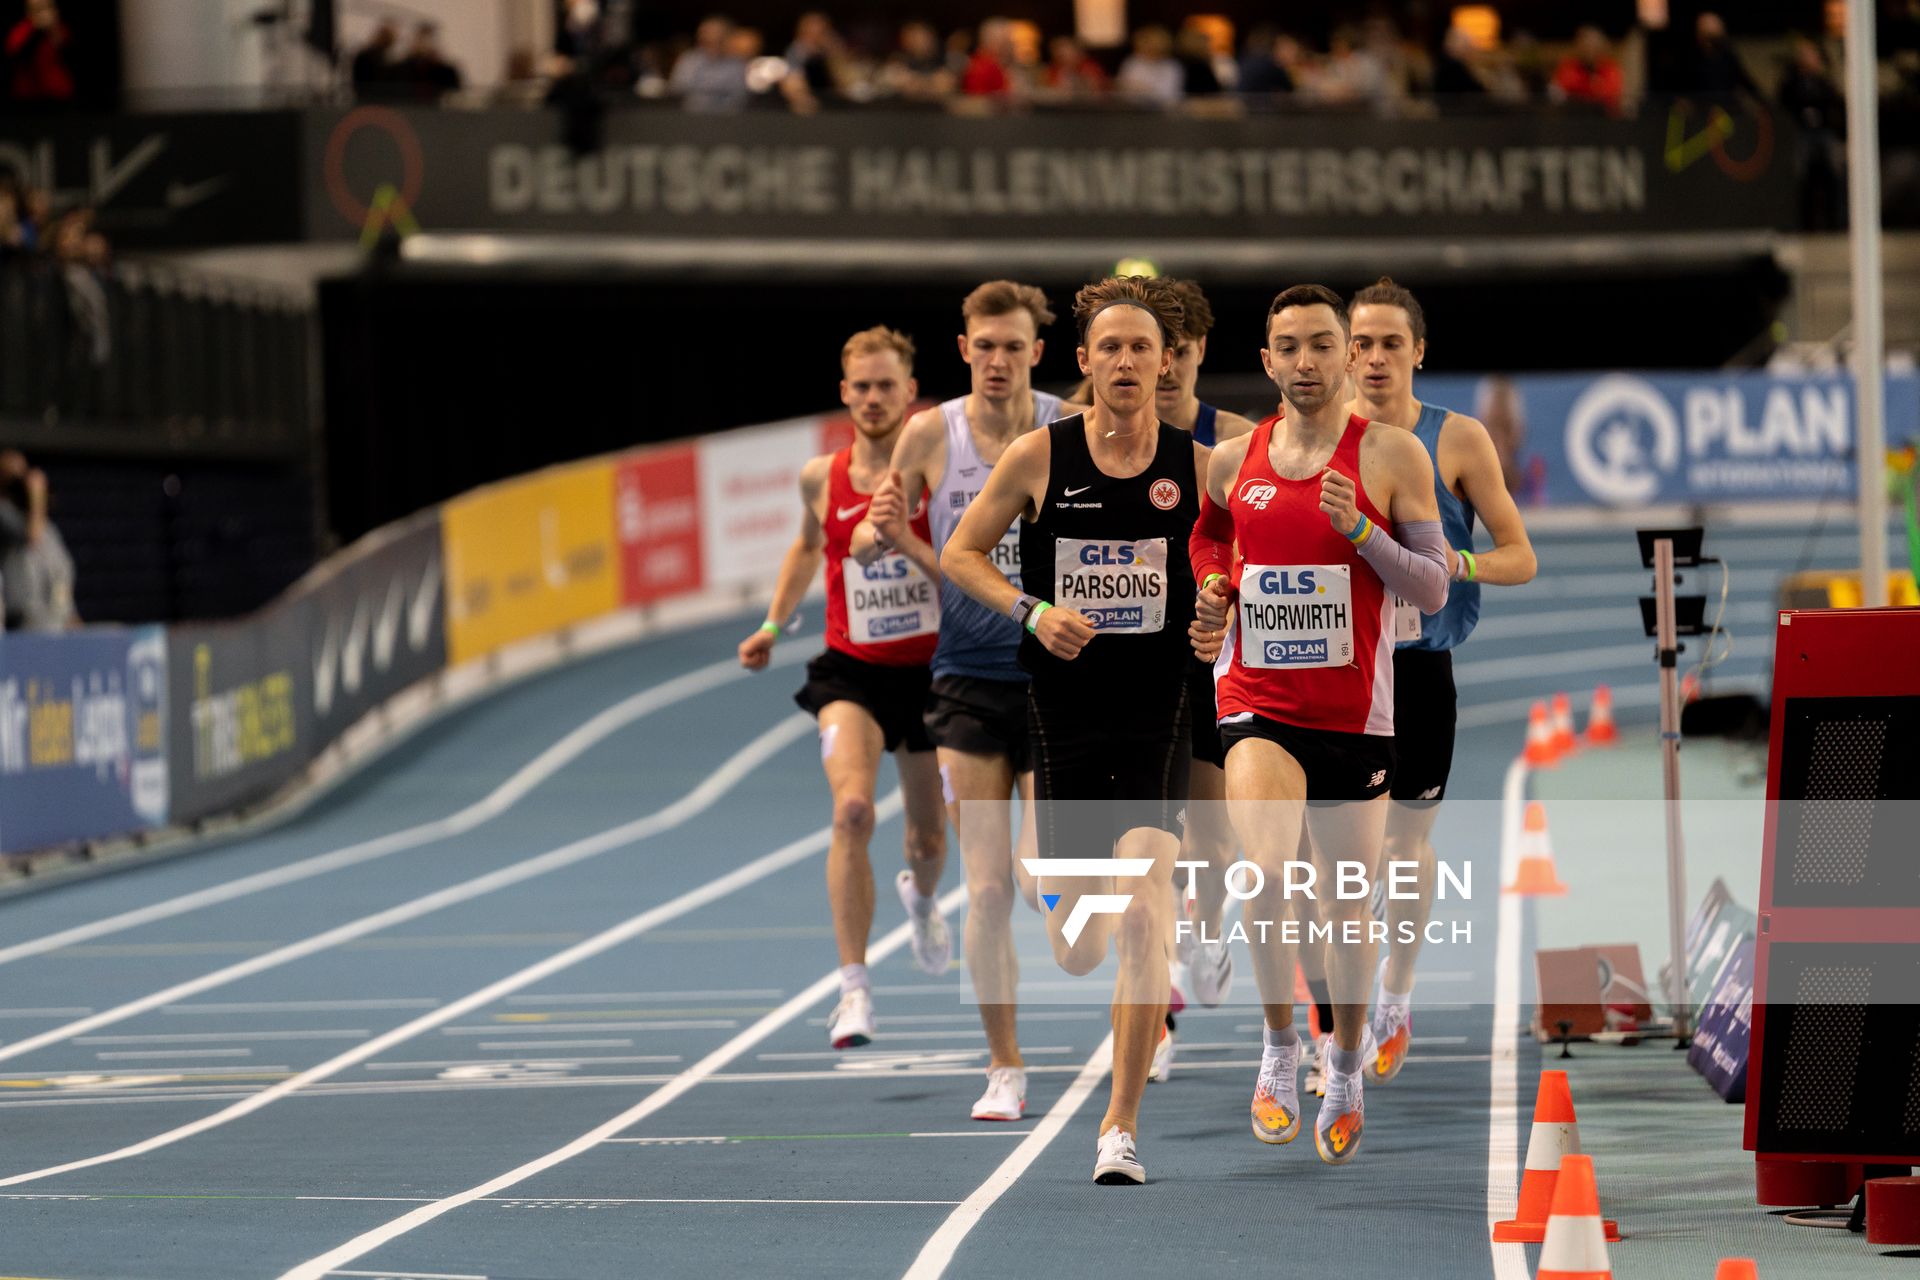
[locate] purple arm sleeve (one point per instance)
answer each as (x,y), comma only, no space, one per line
(1415,568)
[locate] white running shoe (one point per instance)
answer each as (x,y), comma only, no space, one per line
(1162,1068)
(1115,1162)
(1276,1095)
(1316,1073)
(1211,971)
(1336,1130)
(932,944)
(852,1022)
(1006,1095)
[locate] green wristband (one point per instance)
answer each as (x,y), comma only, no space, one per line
(772,626)
(1210,578)
(1033,617)
(1473,566)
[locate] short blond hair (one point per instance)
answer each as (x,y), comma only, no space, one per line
(1004,297)
(871,342)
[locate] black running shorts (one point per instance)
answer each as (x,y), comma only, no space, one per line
(1339,766)
(1102,768)
(1424,716)
(982,717)
(1207,747)
(894,696)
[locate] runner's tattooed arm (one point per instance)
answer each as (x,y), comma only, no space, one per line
(1016,486)
(1468,452)
(797,568)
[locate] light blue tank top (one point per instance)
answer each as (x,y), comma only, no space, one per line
(974,640)
(1454,623)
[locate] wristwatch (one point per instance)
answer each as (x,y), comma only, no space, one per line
(1021,607)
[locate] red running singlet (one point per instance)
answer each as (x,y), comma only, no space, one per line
(887,612)
(1311,638)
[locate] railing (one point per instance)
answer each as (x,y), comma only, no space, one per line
(141,358)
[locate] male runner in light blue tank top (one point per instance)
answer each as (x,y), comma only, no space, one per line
(1389,343)
(977,714)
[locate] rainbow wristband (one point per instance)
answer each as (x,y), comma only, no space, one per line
(1033,617)
(1473,566)
(1361,532)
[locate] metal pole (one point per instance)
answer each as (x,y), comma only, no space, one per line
(1869,330)
(1669,656)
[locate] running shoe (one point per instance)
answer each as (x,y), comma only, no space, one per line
(932,944)
(1392,1031)
(1006,1095)
(1176,998)
(1316,1074)
(1211,971)
(1115,1162)
(852,1022)
(1162,1067)
(1336,1130)
(1276,1095)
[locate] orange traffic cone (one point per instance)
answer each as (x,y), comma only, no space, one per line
(1556,1133)
(1540,753)
(1563,739)
(1535,876)
(1736,1269)
(1576,1245)
(1601,730)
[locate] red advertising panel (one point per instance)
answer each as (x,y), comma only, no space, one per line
(657,514)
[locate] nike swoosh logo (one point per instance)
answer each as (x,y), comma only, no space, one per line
(1076,492)
(848,513)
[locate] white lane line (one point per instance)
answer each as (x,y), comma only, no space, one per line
(558,1044)
(548,1028)
(854,1059)
(987,1131)
(76,1012)
(1503,1124)
(938,1250)
(408,1275)
(206,1037)
(1556,662)
(651,997)
(143,1054)
(633,926)
(701,798)
(894,1019)
(567,749)
(367,1241)
(596,1059)
(299,1006)
(111,1074)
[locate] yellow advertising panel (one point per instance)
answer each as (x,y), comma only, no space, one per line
(528,556)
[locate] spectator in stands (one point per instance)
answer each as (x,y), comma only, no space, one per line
(373,65)
(1261,72)
(810,58)
(917,70)
(36,56)
(1194,52)
(1812,100)
(10,235)
(711,76)
(992,71)
(1071,72)
(1590,75)
(1714,69)
(36,573)
(1351,74)
(425,69)
(1455,81)
(1151,75)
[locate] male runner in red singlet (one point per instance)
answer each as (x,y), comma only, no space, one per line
(868,689)
(1312,524)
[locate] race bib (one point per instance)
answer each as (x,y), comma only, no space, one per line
(1296,616)
(1006,554)
(889,599)
(1120,586)
(1406,621)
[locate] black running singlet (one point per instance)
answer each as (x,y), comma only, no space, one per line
(1116,551)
